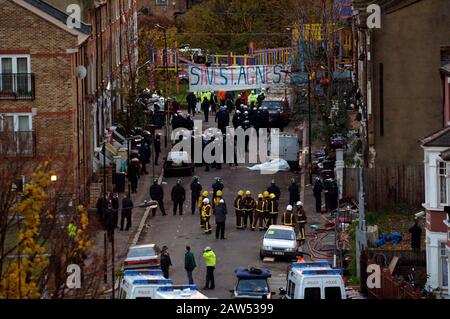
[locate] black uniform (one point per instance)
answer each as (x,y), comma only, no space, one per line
(109,223)
(157,193)
(115,206)
(127,207)
(196,189)
(101,205)
(294,194)
(157,146)
(165,264)
(274,189)
(191,99)
(223,119)
(317,192)
(178,197)
(216,186)
(205,108)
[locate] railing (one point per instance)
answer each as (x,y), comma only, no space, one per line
(17,144)
(15,86)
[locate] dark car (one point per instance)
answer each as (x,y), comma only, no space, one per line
(252,283)
(278,112)
(178,164)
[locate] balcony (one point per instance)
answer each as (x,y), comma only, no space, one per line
(17,144)
(16,86)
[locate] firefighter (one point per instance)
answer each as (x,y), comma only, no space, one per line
(217,198)
(274,210)
(196,189)
(288,218)
(206,215)
(273,188)
(249,206)
(266,214)
(239,208)
(218,185)
(258,216)
(301,221)
(205,194)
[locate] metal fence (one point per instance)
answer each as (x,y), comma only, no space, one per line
(17,86)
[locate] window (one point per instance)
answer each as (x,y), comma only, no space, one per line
(15,74)
(333,293)
(291,289)
(16,133)
(312,293)
(444,264)
(443,180)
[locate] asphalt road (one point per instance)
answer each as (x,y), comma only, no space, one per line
(240,248)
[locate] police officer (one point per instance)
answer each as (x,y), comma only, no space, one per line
(200,205)
(274,210)
(205,108)
(239,209)
(258,216)
(301,221)
(317,192)
(157,193)
(222,119)
(249,206)
(266,215)
(218,185)
(294,192)
(127,207)
(206,215)
(274,189)
(238,119)
(288,218)
(178,197)
(196,189)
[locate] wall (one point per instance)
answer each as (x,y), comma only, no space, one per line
(408,45)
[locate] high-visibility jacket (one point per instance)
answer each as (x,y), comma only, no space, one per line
(216,201)
(210,258)
(208,96)
(288,219)
(239,203)
(273,208)
(301,216)
(261,206)
(200,201)
(206,211)
(72,228)
(267,205)
(252,98)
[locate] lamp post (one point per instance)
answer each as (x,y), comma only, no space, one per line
(166,112)
(309,128)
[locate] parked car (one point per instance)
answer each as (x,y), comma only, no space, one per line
(279,241)
(178,163)
(279,112)
(252,283)
(143,257)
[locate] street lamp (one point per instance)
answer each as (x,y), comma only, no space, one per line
(166,112)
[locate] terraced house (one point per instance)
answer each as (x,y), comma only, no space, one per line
(59,84)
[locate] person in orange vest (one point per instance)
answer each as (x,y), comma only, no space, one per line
(288,218)
(258,216)
(206,215)
(239,208)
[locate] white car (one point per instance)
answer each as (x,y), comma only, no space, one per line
(279,241)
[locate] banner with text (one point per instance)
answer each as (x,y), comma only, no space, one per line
(236,78)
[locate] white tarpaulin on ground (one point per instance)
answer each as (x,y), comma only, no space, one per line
(236,78)
(272,166)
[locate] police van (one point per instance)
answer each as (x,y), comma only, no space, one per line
(314,280)
(179,292)
(142,284)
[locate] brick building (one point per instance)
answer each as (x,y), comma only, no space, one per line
(43,91)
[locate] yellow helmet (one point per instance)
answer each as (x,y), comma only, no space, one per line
(272,196)
(219,193)
(266,194)
(205,193)
(248,193)
(240,193)
(260,196)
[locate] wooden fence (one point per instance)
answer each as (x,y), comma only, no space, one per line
(387,186)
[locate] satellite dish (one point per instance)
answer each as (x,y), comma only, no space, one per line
(81,71)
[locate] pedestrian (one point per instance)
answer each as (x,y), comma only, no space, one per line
(132,173)
(273,210)
(165,261)
(206,215)
(205,108)
(127,208)
(191,100)
(416,233)
(196,189)
(301,221)
(239,209)
(210,261)
(249,206)
(157,147)
(114,198)
(144,157)
(220,211)
(217,186)
(288,218)
(178,197)
(294,192)
(317,192)
(274,189)
(258,216)
(189,264)
(101,206)
(157,194)
(109,222)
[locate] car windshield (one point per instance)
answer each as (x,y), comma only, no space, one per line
(283,234)
(252,285)
(272,105)
(141,252)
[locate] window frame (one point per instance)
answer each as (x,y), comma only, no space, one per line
(16,121)
(443,264)
(446,176)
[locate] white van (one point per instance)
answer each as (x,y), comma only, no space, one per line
(316,280)
(179,292)
(141,284)
(287,147)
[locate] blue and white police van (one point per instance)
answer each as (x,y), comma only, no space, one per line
(142,284)
(179,292)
